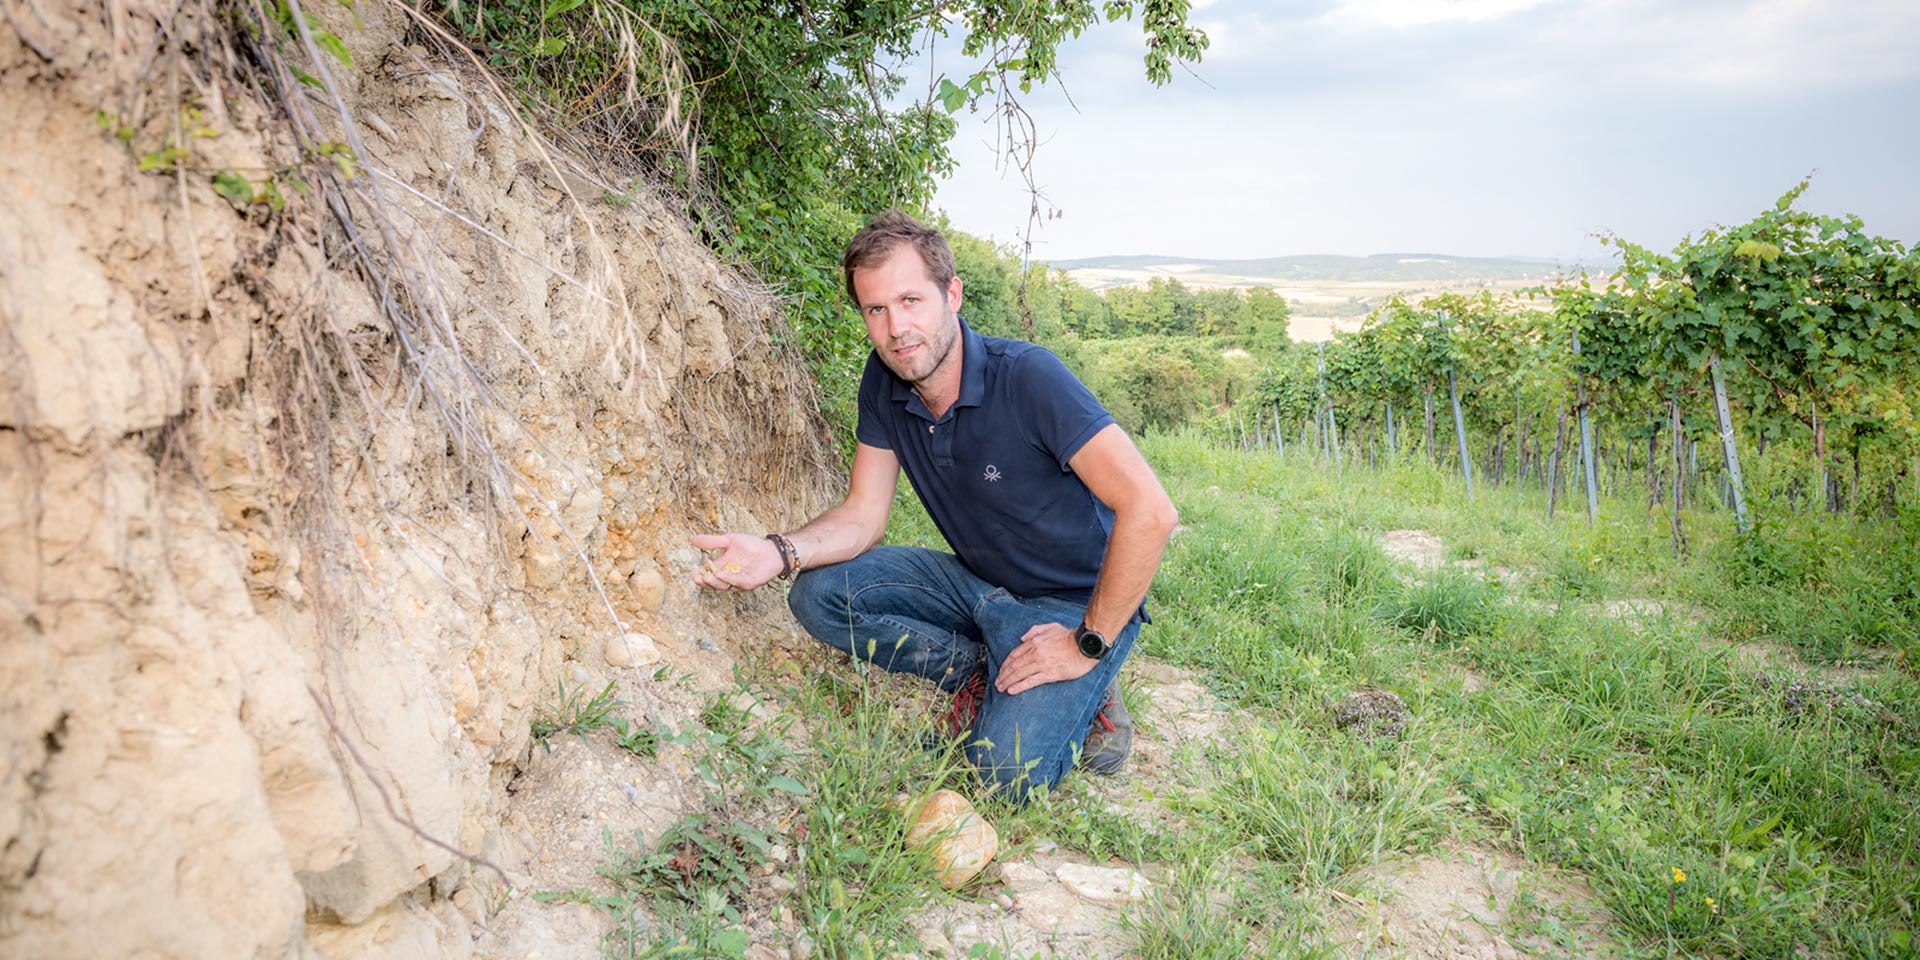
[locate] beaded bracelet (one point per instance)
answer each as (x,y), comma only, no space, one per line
(789,557)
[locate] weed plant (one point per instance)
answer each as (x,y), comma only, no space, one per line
(572,714)
(1448,606)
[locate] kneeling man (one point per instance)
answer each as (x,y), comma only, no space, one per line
(1057,526)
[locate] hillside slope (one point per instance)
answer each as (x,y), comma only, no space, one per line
(1377,268)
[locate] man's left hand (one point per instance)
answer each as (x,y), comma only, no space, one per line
(1047,653)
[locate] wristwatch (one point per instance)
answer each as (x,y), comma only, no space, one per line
(1093,643)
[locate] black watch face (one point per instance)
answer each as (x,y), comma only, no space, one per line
(1092,644)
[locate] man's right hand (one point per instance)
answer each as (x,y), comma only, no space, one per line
(746,561)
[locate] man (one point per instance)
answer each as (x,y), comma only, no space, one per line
(1056,521)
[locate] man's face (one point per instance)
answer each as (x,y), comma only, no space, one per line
(912,321)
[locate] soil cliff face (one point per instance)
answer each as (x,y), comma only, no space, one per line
(282,577)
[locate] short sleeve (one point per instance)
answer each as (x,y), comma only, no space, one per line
(870,427)
(1060,413)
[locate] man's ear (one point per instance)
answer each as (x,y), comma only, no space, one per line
(953,293)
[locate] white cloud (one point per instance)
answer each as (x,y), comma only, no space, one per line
(1767,47)
(1415,13)
(1521,131)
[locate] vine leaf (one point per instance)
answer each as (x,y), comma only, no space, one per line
(236,188)
(952,97)
(332,44)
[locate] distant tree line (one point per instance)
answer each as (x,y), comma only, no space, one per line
(1158,356)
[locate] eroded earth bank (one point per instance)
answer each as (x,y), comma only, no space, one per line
(339,428)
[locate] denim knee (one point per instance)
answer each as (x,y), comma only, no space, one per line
(820,602)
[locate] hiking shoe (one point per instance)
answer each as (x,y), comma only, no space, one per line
(966,703)
(1110,739)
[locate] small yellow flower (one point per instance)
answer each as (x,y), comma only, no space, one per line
(1679,875)
(1713,905)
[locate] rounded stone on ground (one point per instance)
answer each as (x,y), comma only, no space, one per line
(935,942)
(964,842)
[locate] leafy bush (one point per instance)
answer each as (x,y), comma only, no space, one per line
(774,121)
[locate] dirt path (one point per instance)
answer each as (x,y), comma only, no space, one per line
(1470,903)
(1418,547)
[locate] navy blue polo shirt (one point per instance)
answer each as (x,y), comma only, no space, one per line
(993,471)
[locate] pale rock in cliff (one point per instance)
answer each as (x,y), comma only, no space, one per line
(649,588)
(630,650)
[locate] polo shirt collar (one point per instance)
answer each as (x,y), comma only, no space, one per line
(973,376)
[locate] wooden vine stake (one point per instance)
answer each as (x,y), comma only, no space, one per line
(1679,474)
(1459,423)
(1333,431)
(1432,458)
(1586,437)
(1553,462)
(1460,431)
(1727,445)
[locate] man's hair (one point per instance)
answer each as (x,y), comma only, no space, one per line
(876,242)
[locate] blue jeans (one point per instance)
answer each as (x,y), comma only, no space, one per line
(913,610)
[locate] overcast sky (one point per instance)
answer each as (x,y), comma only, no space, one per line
(1472,127)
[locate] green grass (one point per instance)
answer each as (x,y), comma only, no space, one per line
(575,714)
(1616,752)
(1620,752)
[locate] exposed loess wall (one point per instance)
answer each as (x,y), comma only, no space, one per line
(233,515)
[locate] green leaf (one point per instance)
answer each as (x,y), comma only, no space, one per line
(730,941)
(951,97)
(787,785)
(332,45)
(558,7)
(549,46)
(163,159)
(237,189)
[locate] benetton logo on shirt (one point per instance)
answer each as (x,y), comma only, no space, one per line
(993,473)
